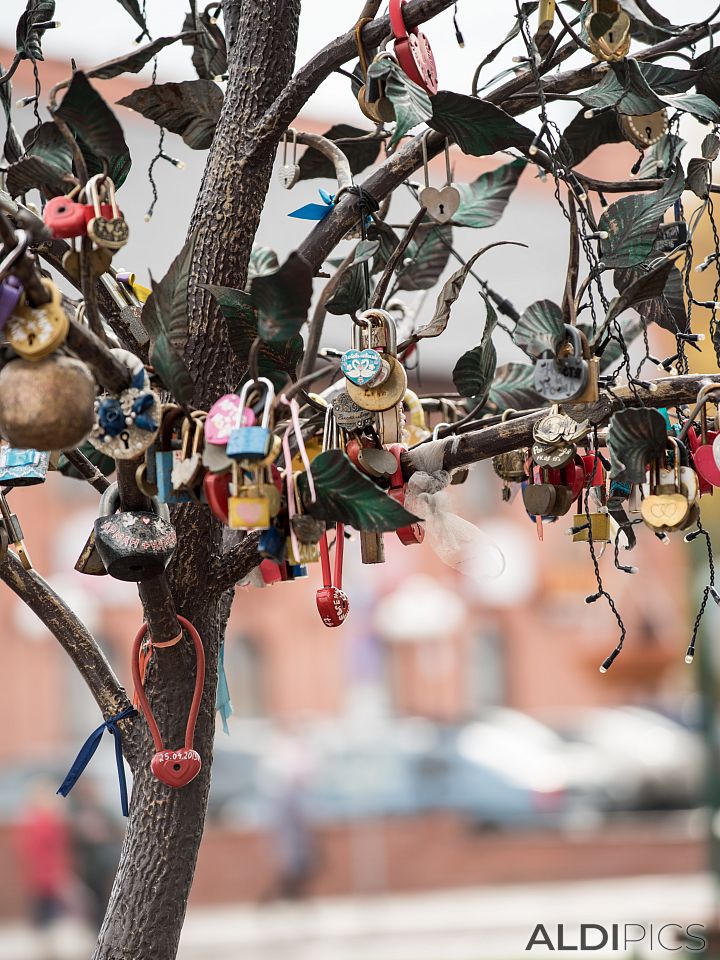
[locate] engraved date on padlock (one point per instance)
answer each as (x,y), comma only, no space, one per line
(176,768)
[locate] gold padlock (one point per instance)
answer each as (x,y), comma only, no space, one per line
(665,508)
(599,526)
(608,30)
(248,509)
(36,332)
(591,393)
(112,232)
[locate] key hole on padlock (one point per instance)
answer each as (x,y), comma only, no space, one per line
(176,766)
(442,209)
(30,339)
(125,437)
(648,132)
(610,37)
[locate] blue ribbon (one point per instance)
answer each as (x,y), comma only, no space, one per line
(315,211)
(87,751)
(223,703)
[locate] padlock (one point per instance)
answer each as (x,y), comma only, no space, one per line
(222,418)
(248,506)
(665,507)
(46,404)
(380,334)
(175,768)
(65,217)
(608,30)
(22,467)
(188,470)
(646,130)
(702,444)
(414,532)
(127,424)
(36,332)
(371,96)
(166,455)
(252,443)
(133,545)
(591,393)
(412,49)
(11,290)
(599,526)
(442,204)
(271,545)
(332,602)
(289,173)
(90,562)
(562,377)
(145,475)
(217,491)
(111,232)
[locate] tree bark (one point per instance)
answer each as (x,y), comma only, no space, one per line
(151,889)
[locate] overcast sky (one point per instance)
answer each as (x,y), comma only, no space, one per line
(101,29)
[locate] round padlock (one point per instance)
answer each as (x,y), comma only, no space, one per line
(386,395)
(644,131)
(126,424)
(36,332)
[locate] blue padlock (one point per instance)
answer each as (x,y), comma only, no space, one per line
(165,457)
(252,443)
(271,545)
(22,468)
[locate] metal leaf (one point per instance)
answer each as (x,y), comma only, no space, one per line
(350,294)
(191,109)
(263,261)
(660,158)
(132,62)
(426,257)
(346,495)
(667,309)
(632,222)
(31,173)
(360,153)
(478,127)
(483,202)
(27,35)
(584,135)
(283,299)
(87,113)
(474,371)
(512,388)
(410,102)
(539,329)
(636,437)
(168,300)
(209,56)
(171,369)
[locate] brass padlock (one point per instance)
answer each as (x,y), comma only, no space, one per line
(36,332)
(666,508)
(112,232)
(599,526)
(608,30)
(591,393)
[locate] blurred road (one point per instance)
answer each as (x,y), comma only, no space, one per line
(471,924)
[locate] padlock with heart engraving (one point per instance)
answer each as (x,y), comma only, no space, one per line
(289,173)
(168,452)
(704,443)
(646,130)
(564,376)
(441,205)
(378,332)
(332,602)
(666,506)
(248,503)
(34,332)
(109,232)
(216,487)
(127,424)
(134,545)
(188,470)
(413,51)
(175,768)
(608,30)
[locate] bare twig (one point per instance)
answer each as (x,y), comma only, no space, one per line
(316,325)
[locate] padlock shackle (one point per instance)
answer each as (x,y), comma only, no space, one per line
(572,336)
(171,415)
(325,557)
(267,406)
(110,504)
(387,322)
(197,694)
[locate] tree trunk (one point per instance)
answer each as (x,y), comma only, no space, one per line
(149,896)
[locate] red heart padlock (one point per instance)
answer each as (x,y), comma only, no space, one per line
(175,768)
(332,603)
(703,459)
(216,487)
(575,476)
(413,51)
(593,465)
(65,217)
(106,211)
(414,532)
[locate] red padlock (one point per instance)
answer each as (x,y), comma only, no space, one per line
(413,51)
(175,768)
(414,532)
(272,572)
(332,602)
(106,211)
(216,487)
(701,450)
(575,475)
(593,465)
(65,217)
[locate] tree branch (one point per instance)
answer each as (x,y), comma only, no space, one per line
(236,564)
(70,632)
(307,80)
(468,448)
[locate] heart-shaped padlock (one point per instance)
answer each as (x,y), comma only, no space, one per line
(361,367)
(706,465)
(609,34)
(175,768)
(289,173)
(441,205)
(216,487)
(109,232)
(539,499)
(332,602)
(100,260)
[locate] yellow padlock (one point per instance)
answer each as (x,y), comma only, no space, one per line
(36,332)
(248,509)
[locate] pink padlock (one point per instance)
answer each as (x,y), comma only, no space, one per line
(332,602)
(222,419)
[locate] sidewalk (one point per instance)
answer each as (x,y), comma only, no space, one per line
(482,923)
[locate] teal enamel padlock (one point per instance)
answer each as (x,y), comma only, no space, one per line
(165,458)
(252,443)
(22,468)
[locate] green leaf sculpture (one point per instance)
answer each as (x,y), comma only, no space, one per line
(28,36)
(539,329)
(632,222)
(426,257)
(209,56)
(350,294)
(360,153)
(478,127)
(483,201)
(84,110)
(636,437)
(512,388)
(131,62)
(282,299)
(191,109)
(410,102)
(345,495)
(474,371)
(586,134)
